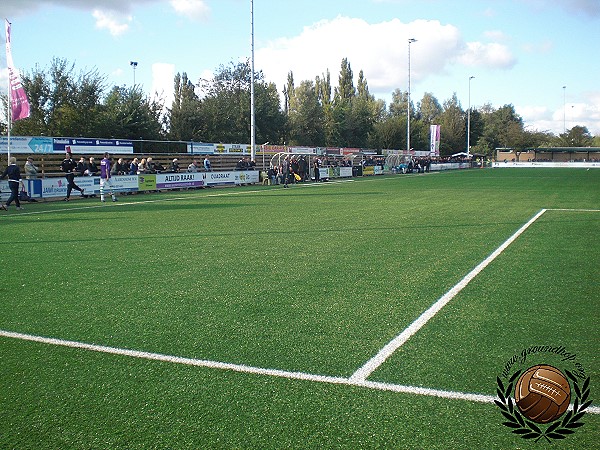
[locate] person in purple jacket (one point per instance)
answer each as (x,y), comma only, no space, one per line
(105,179)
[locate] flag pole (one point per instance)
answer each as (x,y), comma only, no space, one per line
(8,96)
(8,122)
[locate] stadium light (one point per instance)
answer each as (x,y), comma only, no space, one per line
(410,41)
(469,119)
(134,65)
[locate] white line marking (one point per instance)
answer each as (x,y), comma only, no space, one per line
(159,200)
(370,366)
(573,210)
(480,398)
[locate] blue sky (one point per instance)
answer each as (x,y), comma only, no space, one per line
(520,52)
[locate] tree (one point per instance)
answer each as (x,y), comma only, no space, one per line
(452,122)
(62,102)
(429,109)
(185,122)
(323,87)
(127,114)
(225,108)
(306,117)
(342,107)
(577,136)
(345,90)
(398,106)
(503,127)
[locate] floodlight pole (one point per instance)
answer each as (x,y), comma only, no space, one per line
(469,119)
(134,65)
(410,41)
(564,109)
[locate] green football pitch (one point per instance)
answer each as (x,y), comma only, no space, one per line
(379,312)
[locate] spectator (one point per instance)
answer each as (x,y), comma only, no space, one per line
(272,174)
(193,167)
(133,167)
(150,165)
(207,165)
(294,168)
(81,166)
(120,168)
(92,168)
(285,170)
(31,169)
(142,166)
(14,181)
(175,165)
(303,166)
(316,165)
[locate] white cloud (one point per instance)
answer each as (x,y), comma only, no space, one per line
(194,9)
(112,15)
(495,35)
(380,50)
(492,55)
(116,23)
(585,114)
(163,75)
(545,46)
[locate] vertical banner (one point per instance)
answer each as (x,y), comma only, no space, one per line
(434,147)
(19,106)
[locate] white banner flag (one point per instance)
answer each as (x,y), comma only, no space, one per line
(19,105)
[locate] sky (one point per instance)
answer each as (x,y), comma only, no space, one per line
(541,56)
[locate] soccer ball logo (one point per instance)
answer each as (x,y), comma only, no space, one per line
(542,393)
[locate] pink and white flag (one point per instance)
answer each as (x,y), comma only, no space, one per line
(19,105)
(434,142)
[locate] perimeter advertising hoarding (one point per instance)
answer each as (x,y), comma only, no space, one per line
(238,177)
(233,148)
(179,180)
(201,148)
(95,146)
(57,187)
(29,144)
(25,144)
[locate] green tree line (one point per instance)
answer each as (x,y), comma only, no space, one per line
(67,102)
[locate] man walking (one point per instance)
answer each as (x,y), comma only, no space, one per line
(105,178)
(68,166)
(14,180)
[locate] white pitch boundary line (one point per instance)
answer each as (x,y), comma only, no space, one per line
(370,366)
(171,199)
(241,368)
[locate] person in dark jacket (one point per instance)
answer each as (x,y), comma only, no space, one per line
(14,180)
(67,166)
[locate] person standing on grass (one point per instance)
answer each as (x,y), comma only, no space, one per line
(316,165)
(68,166)
(105,178)
(14,181)
(285,170)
